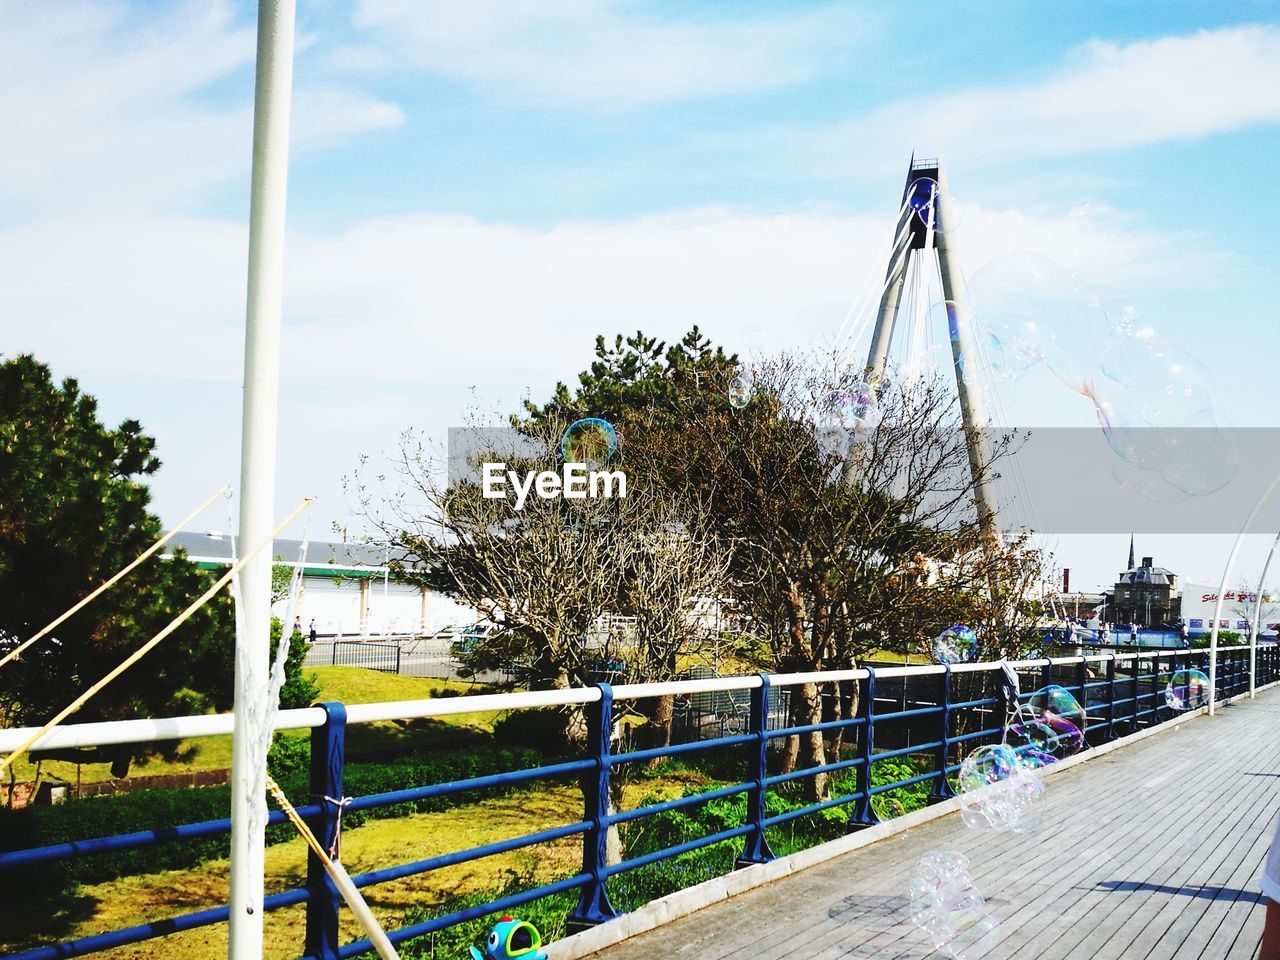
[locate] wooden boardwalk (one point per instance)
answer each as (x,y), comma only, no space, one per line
(1150,852)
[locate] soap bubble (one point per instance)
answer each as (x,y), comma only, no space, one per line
(946,905)
(854,404)
(955,645)
(739,391)
(1187,690)
(1058,701)
(923,196)
(1043,738)
(998,792)
(886,807)
(591,441)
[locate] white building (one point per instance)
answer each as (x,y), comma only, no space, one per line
(347,588)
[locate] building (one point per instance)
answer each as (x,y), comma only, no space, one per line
(1200,600)
(1144,594)
(347,588)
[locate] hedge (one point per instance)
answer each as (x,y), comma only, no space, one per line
(91,817)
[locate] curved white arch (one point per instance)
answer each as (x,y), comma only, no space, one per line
(1222,589)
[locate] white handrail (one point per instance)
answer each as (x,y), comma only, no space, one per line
(115,732)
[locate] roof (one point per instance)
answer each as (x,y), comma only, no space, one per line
(214,549)
(1158,576)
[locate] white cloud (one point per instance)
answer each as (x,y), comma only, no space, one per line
(107,109)
(602,53)
(427,298)
(1108,96)
(390,322)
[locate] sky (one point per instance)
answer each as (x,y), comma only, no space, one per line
(477,190)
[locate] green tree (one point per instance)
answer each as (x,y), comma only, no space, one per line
(73,510)
(299,689)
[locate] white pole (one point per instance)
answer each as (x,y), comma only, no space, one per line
(1257,615)
(274,82)
(1222,589)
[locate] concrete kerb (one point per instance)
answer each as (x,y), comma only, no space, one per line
(692,899)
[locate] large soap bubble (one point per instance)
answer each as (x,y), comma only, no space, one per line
(1029,311)
(946,905)
(998,792)
(590,441)
(1155,405)
(955,644)
(1187,690)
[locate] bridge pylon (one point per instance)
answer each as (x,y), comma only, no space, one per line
(925,229)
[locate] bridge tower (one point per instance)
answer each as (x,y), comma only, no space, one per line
(927,215)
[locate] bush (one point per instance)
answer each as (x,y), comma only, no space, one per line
(288,755)
(91,817)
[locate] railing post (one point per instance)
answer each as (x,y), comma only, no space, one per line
(328,750)
(1111,697)
(593,902)
(333,654)
(863,813)
(941,787)
(1136,703)
(1082,684)
(756,848)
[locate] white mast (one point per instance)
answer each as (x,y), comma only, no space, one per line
(272,89)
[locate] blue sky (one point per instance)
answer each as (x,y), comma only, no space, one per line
(477,189)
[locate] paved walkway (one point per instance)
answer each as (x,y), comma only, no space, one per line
(1150,852)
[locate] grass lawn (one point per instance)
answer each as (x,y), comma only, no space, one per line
(344,684)
(377,844)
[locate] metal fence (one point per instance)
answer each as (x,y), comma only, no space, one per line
(945,711)
(370,654)
(429,657)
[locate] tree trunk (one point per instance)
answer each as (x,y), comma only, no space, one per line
(659,712)
(812,747)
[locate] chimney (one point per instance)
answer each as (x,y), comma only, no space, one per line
(1146,562)
(1066,579)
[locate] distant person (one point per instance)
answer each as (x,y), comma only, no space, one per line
(311,631)
(1133,634)
(1185,631)
(297,626)
(1271,890)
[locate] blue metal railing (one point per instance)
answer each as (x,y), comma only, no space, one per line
(949,709)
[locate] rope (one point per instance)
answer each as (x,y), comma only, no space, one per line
(337,873)
(341,804)
(146,648)
(53,625)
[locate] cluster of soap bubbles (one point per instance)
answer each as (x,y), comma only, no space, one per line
(1151,397)
(1187,690)
(956,644)
(946,905)
(1048,727)
(999,792)
(590,441)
